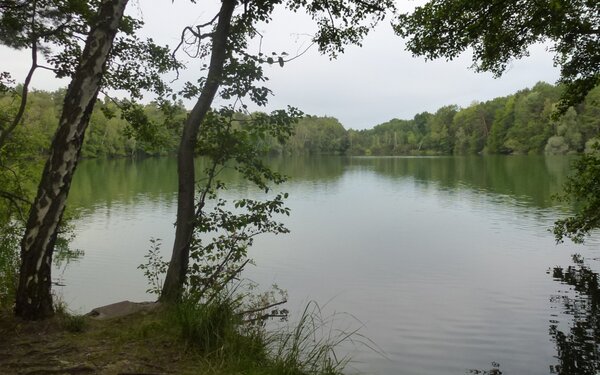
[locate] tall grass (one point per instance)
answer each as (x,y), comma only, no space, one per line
(207,327)
(217,331)
(308,347)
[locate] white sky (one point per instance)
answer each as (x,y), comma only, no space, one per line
(362,88)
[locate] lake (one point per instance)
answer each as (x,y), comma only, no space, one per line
(443,261)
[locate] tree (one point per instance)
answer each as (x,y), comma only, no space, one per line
(34,300)
(78,40)
(237,71)
(498,31)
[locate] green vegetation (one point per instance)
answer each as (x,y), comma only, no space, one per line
(180,339)
(517,124)
(20,166)
(521,123)
(583,190)
(111,135)
(499,32)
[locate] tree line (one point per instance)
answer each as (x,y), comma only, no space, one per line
(110,134)
(522,123)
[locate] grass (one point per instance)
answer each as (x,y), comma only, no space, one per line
(68,321)
(184,339)
(310,345)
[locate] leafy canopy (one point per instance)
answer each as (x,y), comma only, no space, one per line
(499,31)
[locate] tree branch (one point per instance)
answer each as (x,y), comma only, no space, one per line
(15,199)
(259,309)
(19,116)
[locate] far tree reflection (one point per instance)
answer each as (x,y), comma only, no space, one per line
(577,344)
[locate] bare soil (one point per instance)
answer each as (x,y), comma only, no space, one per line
(129,344)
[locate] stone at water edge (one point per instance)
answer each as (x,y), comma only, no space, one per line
(122,308)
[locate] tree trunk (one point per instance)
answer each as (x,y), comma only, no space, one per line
(34,299)
(173,285)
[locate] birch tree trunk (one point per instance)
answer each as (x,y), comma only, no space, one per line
(34,298)
(176,273)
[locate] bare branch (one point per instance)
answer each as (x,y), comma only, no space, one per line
(46,68)
(211,22)
(330,15)
(115,101)
(263,308)
(301,53)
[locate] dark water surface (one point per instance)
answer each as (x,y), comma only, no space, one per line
(446,261)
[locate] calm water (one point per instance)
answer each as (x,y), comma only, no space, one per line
(443,260)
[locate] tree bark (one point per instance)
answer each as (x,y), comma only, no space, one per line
(34,298)
(176,273)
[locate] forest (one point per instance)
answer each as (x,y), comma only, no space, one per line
(522,123)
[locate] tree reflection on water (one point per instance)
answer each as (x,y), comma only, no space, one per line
(577,344)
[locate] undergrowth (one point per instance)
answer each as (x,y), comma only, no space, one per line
(222,335)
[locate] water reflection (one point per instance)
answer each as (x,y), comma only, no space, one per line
(578,342)
(443,258)
(531,179)
(122,181)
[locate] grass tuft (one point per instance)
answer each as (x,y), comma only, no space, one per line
(73,323)
(309,346)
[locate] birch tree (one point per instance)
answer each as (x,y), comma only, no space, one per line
(34,298)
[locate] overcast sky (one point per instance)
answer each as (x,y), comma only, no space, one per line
(364,87)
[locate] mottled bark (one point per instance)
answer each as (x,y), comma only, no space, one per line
(176,273)
(34,298)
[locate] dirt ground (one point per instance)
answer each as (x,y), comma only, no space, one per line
(124,345)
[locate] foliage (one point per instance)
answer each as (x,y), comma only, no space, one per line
(498,32)
(20,166)
(9,263)
(521,123)
(154,268)
(56,29)
(315,135)
(583,189)
(215,263)
(235,73)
